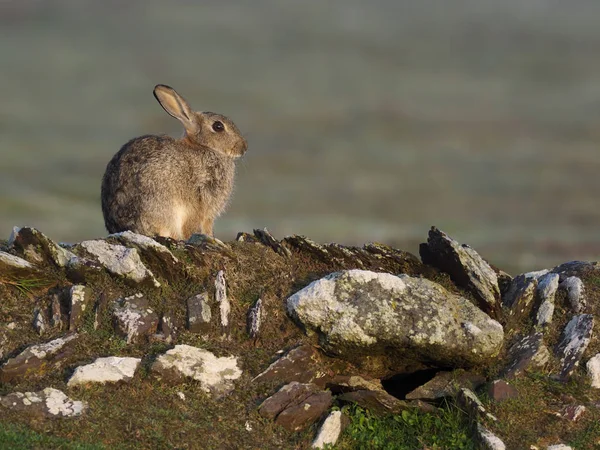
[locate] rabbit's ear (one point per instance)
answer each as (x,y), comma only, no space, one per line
(175,105)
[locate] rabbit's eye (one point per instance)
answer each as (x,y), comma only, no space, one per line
(218,126)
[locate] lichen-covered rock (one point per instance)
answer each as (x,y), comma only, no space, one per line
(254,319)
(528,352)
(303,364)
(469,400)
(330,430)
(199,313)
(377,402)
(466,268)
(216,375)
(290,394)
(575,293)
(446,384)
(340,384)
(222,301)
(36,359)
(133,318)
(299,416)
(266,238)
(80,299)
(119,260)
(35,247)
(576,269)
(593,370)
(559,447)
(11,264)
(488,439)
(145,243)
(546,293)
(519,298)
(105,370)
(39,321)
(572,413)
(573,342)
(360,313)
(48,403)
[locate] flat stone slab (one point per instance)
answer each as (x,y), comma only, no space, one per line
(359,313)
(300,416)
(290,394)
(593,370)
(528,352)
(546,293)
(111,369)
(340,384)
(199,313)
(48,403)
(446,384)
(488,439)
(378,402)
(330,430)
(121,261)
(574,340)
(34,360)
(11,264)
(133,318)
(466,268)
(36,247)
(575,290)
(145,243)
(216,375)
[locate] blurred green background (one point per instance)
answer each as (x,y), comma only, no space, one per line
(367,121)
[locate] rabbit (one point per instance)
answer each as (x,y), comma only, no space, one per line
(162,186)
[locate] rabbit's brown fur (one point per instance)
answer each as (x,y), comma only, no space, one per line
(159,185)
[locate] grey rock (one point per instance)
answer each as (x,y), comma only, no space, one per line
(133,318)
(307,246)
(529,352)
(593,370)
(199,313)
(206,242)
(36,359)
(488,439)
(35,247)
(559,447)
(466,268)
(215,375)
(300,416)
(340,384)
(360,313)
(56,314)
(469,400)
(546,293)
(118,260)
(39,321)
(330,430)
(572,413)
(519,298)
(254,319)
(446,384)
(111,369)
(575,293)
(80,299)
(222,301)
(11,264)
(49,402)
(266,238)
(378,402)
(576,268)
(574,340)
(144,243)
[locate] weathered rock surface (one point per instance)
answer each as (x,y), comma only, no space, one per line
(36,359)
(290,394)
(199,313)
(378,402)
(546,293)
(145,243)
(120,261)
(105,370)
(216,375)
(519,299)
(330,430)
(488,439)
(559,447)
(468,399)
(446,384)
(573,342)
(360,313)
(340,384)
(572,413)
(466,268)
(35,247)
(39,321)
(254,319)
(11,264)
(266,238)
(500,390)
(81,298)
(593,370)
(49,403)
(222,301)
(575,293)
(299,416)
(527,353)
(133,318)
(303,364)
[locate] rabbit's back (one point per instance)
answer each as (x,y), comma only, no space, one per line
(157,185)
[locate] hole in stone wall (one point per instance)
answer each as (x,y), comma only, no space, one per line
(401,384)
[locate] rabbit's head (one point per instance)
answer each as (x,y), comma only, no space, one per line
(208,129)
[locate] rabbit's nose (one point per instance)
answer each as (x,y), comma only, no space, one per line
(242,147)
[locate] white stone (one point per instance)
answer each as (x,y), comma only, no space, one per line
(14,261)
(214,374)
(221,298)
(144,242)
(105,370)
(58,403)
(575,293)
(41,351)
(120,260)
(559,447)
(181,395)
(593,370)
(489,440)
(330,430)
